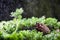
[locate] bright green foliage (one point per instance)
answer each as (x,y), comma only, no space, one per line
(0,33)
(23,35)
(32,21)
(58,25)
(17,14)
(41,20)
(51,22)
(8,26)
(52,36)
(13,36)
(31,35)
(12,30)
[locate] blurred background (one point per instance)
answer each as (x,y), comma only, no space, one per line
(38,8)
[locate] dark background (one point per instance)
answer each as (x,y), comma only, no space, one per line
(38,8)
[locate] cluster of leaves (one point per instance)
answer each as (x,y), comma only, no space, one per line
(52,36)
(12,30)
(29,35)
(22,35)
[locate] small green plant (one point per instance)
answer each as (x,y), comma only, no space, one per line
(17,13)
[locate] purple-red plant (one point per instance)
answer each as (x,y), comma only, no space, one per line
(42,27)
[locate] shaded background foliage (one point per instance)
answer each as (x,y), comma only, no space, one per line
(49,8)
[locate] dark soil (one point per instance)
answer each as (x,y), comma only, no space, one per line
(8,6)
